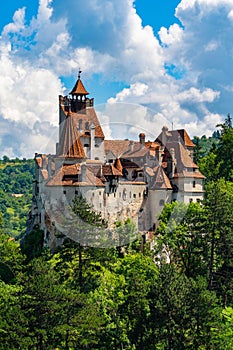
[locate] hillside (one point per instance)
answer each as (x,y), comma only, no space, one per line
(15,193)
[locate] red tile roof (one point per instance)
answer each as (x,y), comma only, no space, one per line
(79,88)
(110,170)
(118,165)
(184,135)
(86,120)
(72,179)
(160,180)
(136,150)
(192,174)
(117,147)
(175,136)
(70,144)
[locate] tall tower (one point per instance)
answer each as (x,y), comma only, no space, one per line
(78,96)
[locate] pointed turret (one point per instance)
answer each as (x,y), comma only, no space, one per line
(79,96)
(70,145)
(118,165)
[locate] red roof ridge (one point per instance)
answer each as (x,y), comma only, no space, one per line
(70,144)
(79,88)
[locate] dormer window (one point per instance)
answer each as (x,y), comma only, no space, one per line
(80,124)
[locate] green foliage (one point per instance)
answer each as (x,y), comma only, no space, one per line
(86,213)
(182,238)
(11,258)
(16,179)
(13,324)
(223,333)
(219,201)
(204,145)
(214,155)
(224,153)
(32,243)
(117,298)
(183,311)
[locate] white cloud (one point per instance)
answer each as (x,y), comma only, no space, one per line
(212,45)
(135,90)
(17,24)
(230,15)
(195,95)
(172,35)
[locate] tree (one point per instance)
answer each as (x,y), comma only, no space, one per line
(13,324)
(11,259)
(222,334)
(124,300)
(219,201)
(182,312)
(224,156)
(181,238)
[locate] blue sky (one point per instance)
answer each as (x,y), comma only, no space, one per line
(147,63)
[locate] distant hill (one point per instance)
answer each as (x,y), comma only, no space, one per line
(15,193)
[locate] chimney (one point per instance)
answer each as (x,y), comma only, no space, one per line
(161,153)
(173,161)
(142,137)
(92,141)
(49,166)
(164,135)
(83,172)
(131,144)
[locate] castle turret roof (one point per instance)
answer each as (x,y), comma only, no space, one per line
(70,144)
(79,88)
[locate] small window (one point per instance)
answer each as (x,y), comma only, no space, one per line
(134,195)
(86,145)
(64,192)
(87,125)
(96,145)
(161,202)
(76,192)
(96,158)
(190,200)
(139,193)
(194,183)
(80,123)
(100,193)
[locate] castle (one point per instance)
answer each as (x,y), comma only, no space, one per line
(120,178)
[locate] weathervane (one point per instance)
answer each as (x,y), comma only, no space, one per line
(79,72)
